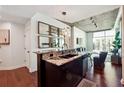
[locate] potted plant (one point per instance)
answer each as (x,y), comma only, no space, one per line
(115,58)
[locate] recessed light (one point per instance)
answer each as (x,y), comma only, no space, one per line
(64,13)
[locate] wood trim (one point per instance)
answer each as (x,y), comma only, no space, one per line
(50,37)
(46,24)
(58,33)
(38,41)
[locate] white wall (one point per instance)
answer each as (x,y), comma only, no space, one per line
(27,43)
(34,31)
(77,33)
(12,56)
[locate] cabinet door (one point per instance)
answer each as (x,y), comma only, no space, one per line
(74,67)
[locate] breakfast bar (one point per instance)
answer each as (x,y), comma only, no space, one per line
(61,68)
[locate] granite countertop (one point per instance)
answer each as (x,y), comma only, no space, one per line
(43,51)
(61,61)
(46,51)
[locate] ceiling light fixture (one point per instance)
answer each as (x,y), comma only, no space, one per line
(93,21)
(64,14)
(91,18)
(65,32)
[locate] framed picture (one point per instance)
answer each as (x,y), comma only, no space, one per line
(4,36)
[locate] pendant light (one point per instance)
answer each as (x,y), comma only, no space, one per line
(65,32)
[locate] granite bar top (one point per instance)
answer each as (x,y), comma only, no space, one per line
(54,56)
(47,51)
(61,61)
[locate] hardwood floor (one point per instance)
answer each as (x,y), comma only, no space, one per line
(34,75)
(16,78)
(109,77)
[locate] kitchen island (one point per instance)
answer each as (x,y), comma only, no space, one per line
(61,68)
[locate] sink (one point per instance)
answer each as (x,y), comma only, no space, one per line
(63,56)
(55,58)
(68,56)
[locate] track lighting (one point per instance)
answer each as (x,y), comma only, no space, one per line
(93,21)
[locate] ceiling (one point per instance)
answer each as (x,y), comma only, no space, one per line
(75,13)
(104,21)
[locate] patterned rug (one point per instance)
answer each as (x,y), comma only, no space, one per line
(86,83)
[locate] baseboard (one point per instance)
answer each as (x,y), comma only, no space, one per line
(32,70)
(122,81)
(11,67)
(18,66)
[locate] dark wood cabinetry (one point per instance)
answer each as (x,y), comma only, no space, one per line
(66,75)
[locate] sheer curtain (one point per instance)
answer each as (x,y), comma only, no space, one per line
(102,41)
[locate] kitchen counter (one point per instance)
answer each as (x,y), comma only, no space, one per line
(48,51)
(61,61)
(56,69)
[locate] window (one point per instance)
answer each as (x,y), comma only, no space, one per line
(103,40)
(98,34)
